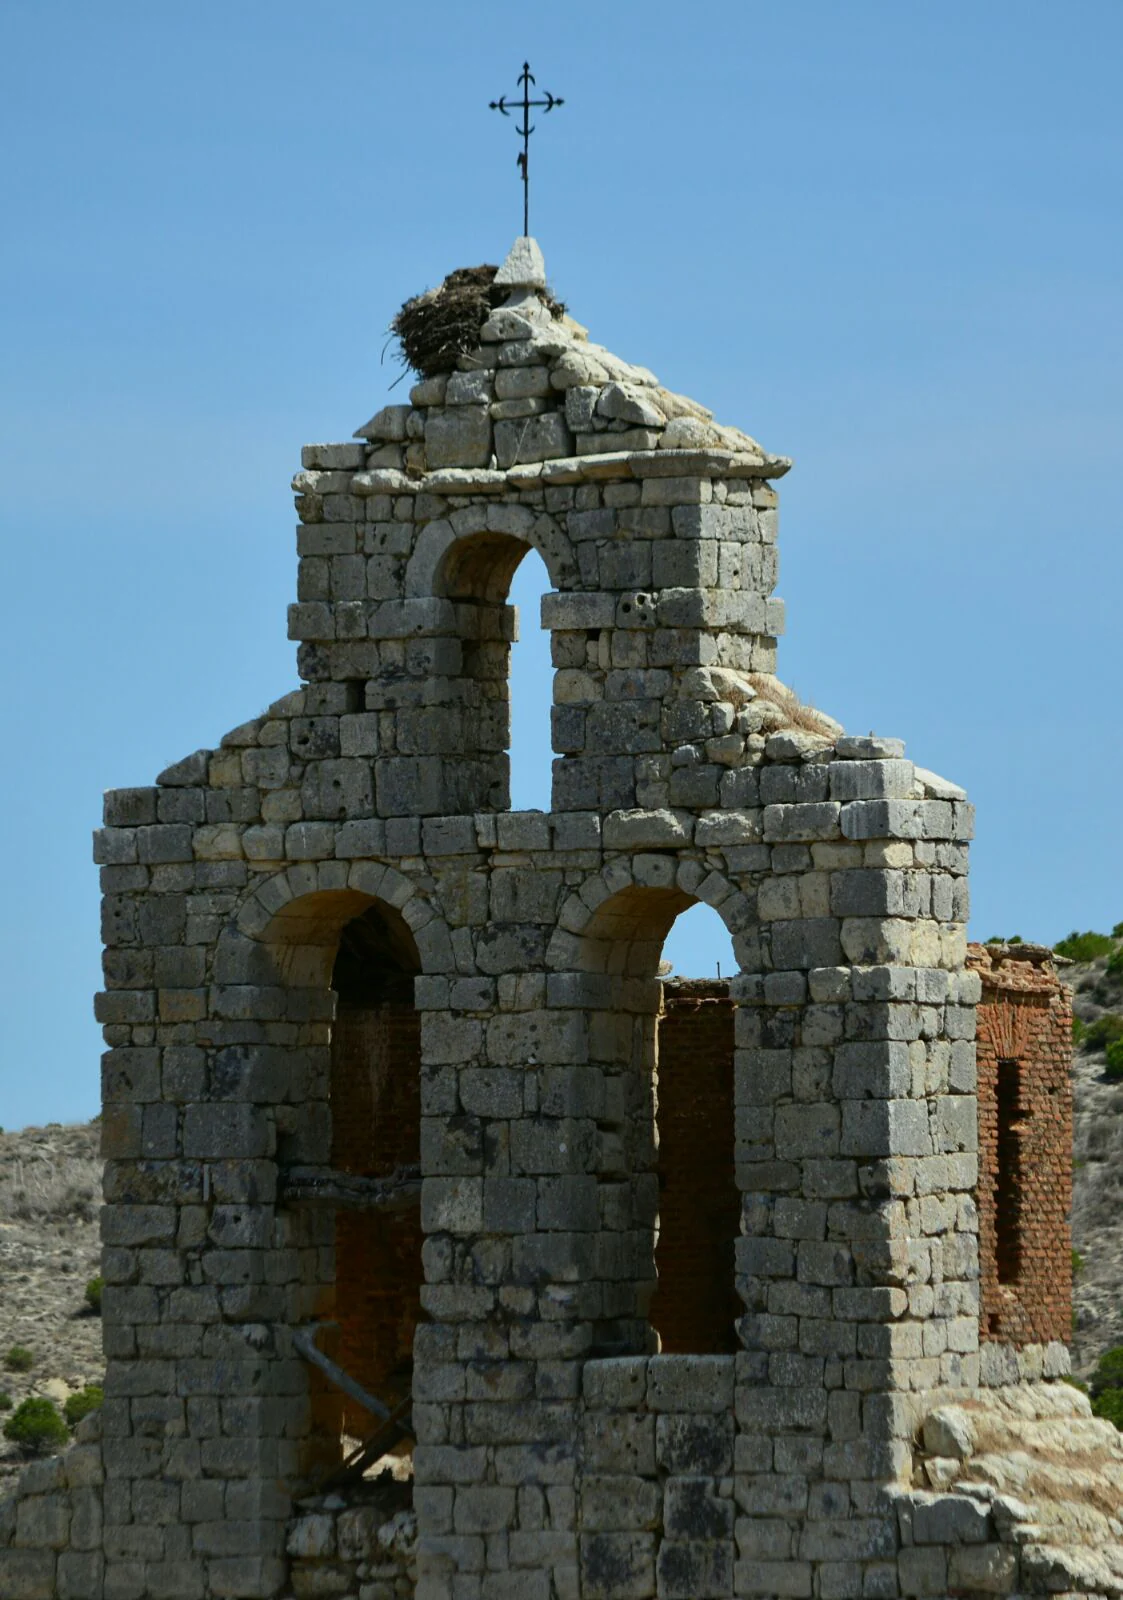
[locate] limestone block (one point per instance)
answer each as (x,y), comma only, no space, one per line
(80,1575)
(923,1571)
(639,830)
(697,1384)
(984,1568)
(580,405)
(27,1574)
(699,1568)
(806,942)
(877,1069)
(617,1384)
(858,747)
(531,439)
(460,437)
(949,1519)
(806,821)
(453,1205)
(522,383)
(792,744)
(626,403)
(617,1566)
(870,780)
(874,1128)
(333,457)
(899,819)
(389,425)
(469,388)
(619,1503)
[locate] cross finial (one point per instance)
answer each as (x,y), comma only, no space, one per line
(525,105)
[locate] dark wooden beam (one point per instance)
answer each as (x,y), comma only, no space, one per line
(324,1186)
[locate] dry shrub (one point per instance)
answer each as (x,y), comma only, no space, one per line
(50,1188)
(796,714)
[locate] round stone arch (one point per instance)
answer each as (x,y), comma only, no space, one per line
(479,562)
(617,921)
(297,914)
(334,947)
(666,1061)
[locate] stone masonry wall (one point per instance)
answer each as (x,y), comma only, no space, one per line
(557,1454)
(657,1506)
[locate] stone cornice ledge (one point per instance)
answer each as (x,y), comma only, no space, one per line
(573,469)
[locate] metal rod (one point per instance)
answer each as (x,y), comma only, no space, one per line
(304,1339)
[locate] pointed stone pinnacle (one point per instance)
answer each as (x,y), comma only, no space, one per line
(524,267)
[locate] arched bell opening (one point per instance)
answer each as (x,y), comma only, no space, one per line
(695,1304)
(666,1046)
(348,1170)
(376,1134)
(461,736)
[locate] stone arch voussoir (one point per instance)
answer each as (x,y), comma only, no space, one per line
(583,917)
(307,903)
(438,542)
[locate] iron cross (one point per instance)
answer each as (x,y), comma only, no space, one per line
(525,105)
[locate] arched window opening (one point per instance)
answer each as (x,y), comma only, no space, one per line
(667,1052)
(532,677)
(493,681)
(376,1132)
(695,1304)
(699,945)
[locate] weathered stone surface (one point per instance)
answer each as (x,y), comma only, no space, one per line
(394,1069)
(459,437)
(524,267)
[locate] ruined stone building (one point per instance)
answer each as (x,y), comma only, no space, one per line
(415,1167)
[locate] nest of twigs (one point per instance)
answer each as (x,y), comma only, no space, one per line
(436,328)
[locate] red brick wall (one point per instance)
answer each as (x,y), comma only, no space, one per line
(1025,1145)
(694,1305)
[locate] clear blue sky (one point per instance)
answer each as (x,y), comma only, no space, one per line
(884,238)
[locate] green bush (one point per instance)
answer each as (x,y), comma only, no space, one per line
(19,1359)
(1079,1029)
(36,1427)
(1115,962)
(80,1405)
(93,1294)
(5,1400)
(1084,946)
(1108,1373)
(1115,1059)
(1077,1263)
(1104,1031)
(1109,1405)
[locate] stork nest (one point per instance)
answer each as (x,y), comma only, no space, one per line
(436,328)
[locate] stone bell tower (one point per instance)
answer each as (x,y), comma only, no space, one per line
(389,1118)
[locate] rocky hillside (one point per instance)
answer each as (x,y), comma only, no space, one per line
(50,1188)
(1097,1212)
